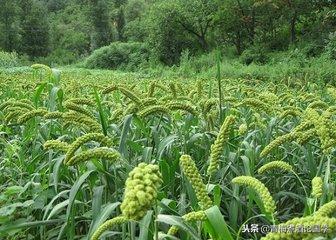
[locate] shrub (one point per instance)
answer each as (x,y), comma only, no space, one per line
(8,60)
(255,54)
(118,55)
(331,46)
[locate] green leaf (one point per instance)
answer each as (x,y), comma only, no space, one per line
(124,132)
(217,223)
(50,204)
(102,217)
(18,225)
(165,143)
(73,192)
(103,118)
(177,221)
(13,190)
(58,208)
(10,209)
(144,226)
(38,92)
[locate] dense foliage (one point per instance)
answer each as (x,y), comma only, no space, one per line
(118,55)
(59,31)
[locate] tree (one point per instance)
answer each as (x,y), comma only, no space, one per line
(101,21)
(236,23)
(197,17)
(136,13)
(70,38)
(166,36)
(120,23)
(35,28)
(120,18)
(9,25)
(292,11)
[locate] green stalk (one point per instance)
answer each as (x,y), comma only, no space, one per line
(156,227)
(304,189)
(218,76)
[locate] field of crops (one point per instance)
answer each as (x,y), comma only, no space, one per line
(94,156)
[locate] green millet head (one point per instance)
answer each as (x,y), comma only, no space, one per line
(141,191)
(148,101)
(318,104)
(260,188)
(269,98)
(81,120)
(208,104)
(57,145)
(82,101)
(303,126)
(218,146)
(189,217)
(242,129)
(290,112)
(172,87)
(80,141)
(53,115)
(151,89)
(101,153)
(275,165)
(303,137)
(42,66)
(181,106)
(116,115)
(192,93)
(322,125)
(110,89)
(327,210)
(77,108)
(135,97)
(108,225)
(277,142)
(256,104)
(13,114)
(195,216)
(190,170)
(153,109)
(31,114)
(14,103)
(317,187)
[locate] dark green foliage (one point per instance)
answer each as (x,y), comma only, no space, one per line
(135,28)
(119,55)
(9,60)
(67,31)
(167,37)
(9,25)
(255,54)
(35,28)
(70,35)
(331,46)
(100,17)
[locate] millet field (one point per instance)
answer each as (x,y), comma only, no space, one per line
(103,155)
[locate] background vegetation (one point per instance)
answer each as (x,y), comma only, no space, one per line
(145,34)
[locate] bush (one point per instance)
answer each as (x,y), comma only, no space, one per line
(118,55)
(8,60)
(58,57)
(331,46)
(255,54)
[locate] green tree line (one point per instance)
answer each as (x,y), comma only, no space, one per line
(68,30)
